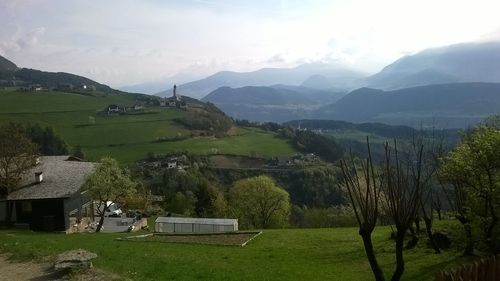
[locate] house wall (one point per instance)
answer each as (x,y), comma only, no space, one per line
(2,210)
(3,214)
(46,214)
(75,218)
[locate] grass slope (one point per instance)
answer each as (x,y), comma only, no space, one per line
(289,254)
(126,137)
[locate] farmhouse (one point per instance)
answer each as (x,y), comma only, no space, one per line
(194,225)
(50,197)
(36,87)
(113,108)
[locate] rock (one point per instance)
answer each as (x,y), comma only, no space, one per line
(75,259)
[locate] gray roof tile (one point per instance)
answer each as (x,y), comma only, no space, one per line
(61,179)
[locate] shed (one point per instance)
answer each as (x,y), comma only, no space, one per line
(194,225)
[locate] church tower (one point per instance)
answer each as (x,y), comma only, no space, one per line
(175,96)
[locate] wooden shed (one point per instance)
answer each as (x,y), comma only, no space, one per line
(194,225)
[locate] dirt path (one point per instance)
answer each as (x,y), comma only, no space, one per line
(29,271)
(43,271)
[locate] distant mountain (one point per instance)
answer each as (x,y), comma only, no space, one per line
(320,82)
(6,66)
(446,105)
(342,77)
(149,88)
(468,62)
(10,74)
(276,103)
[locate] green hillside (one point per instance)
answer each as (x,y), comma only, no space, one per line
(126,137)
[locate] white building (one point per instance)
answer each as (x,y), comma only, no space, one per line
(194,225)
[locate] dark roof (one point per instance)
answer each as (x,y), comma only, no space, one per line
(61,179)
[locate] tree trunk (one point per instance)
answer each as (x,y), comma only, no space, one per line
(101,222)
(428,228)
(489,235)
(439,213)
(417,224)
(370,254)
(400,263)
(469,246)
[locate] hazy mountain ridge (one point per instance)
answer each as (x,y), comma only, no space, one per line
(467,62)
(277,103)
(6,66)
(456,105)
(342,77)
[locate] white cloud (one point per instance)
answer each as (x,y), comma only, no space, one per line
(124,42)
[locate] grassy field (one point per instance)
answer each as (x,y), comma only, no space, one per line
(126,137)
(224,239)
(289,254)
(359,136)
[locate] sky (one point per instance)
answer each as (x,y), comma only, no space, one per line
(126,42)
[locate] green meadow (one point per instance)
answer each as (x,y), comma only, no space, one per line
(280,254)
(126,137)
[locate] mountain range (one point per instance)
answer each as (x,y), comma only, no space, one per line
(468,62)
(454,105)
(453,86)
(277,103)
(338,76)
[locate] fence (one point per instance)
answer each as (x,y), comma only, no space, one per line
(485,269)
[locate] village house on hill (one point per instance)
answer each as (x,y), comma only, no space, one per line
(51,196)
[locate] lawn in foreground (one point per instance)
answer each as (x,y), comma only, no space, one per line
(239,238)
(289,254)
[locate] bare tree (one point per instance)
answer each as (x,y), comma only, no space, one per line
(429,168)
(402,189)
(364,193)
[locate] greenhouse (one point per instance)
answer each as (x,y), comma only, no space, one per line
(195,225)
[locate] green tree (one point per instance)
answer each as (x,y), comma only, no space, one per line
(181,203)
(108,183)
(17,155)
(259,203)
(473,168)
(206,195)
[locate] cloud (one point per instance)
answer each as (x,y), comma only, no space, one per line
(491,36)
(127,41)
(278,58)
(21,41)
(31,38)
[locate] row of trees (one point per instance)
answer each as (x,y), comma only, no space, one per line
(257,202)
(403,188)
